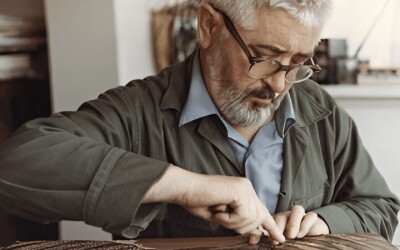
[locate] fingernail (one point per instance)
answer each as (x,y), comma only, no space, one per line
(275,243)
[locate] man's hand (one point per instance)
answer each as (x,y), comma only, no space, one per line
(226,200)
(245,215)
(296,223)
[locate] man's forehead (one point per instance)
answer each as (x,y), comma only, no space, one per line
(279,50)
(278,31)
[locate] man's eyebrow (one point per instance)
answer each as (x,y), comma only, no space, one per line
(281,51)
(270,47)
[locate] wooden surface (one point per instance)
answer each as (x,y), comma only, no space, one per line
(338,241)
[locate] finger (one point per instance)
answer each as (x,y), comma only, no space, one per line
(281,219)
(273,229)
(255,237)
(275,243)
(248,229)
(263,231)
(231,220)
(237,216)
(306,224)
(319,228)
(219,209)
(243,224)
(293,224)
(201,212)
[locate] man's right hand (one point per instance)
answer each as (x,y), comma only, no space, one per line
(225,200)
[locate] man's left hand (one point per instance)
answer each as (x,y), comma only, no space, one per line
(296,223)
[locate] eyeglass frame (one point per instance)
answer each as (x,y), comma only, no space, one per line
(315,68)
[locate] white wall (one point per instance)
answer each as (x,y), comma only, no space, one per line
(351,19)
(83,53)
(96,45)
(134,51)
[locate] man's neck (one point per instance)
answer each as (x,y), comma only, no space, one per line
(249,132)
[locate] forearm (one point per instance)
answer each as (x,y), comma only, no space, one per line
(170,187)
(182,187)
(359,216)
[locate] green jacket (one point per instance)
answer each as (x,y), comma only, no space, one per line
(96,164)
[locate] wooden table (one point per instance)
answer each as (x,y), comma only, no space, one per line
(338,241)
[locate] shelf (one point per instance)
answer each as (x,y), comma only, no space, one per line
(352,91)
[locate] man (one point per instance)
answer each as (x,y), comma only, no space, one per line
(233,140)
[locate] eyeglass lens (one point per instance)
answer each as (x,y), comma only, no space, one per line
(269,67)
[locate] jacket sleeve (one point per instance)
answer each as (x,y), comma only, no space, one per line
(81,165)
(362,201)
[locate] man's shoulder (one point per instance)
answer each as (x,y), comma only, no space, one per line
(310,87)
(153,87)
(312,91)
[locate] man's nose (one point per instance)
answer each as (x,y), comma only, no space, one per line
(277,81)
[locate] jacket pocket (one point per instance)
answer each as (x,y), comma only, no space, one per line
(312,201)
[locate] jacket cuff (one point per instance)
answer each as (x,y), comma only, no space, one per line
(339,219)
(115,194)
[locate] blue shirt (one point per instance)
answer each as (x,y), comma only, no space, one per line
(262,158)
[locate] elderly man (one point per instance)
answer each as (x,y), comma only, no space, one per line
(235,139)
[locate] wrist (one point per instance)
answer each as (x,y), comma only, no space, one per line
(173,187)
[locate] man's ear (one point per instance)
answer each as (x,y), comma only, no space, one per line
(210,23)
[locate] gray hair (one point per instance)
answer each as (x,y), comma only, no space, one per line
(242,12)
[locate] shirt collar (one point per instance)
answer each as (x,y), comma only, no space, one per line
(199,103)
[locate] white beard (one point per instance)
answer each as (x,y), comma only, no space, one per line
(233,107)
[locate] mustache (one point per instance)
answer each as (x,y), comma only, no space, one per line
(262,93)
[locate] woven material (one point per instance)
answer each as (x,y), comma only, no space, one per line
(339,241)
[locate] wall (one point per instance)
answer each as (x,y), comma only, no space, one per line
(134,51)
(83,56)
(352,19)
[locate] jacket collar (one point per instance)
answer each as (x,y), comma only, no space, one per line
(307,110)
(179,77)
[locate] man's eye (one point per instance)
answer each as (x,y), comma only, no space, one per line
(267,55)
(299,60)
(257,53)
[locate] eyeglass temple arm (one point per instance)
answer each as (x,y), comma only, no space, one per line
(239,40)
(315,66)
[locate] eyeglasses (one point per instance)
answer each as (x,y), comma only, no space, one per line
(261,67)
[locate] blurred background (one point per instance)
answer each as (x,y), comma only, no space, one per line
(56,54)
